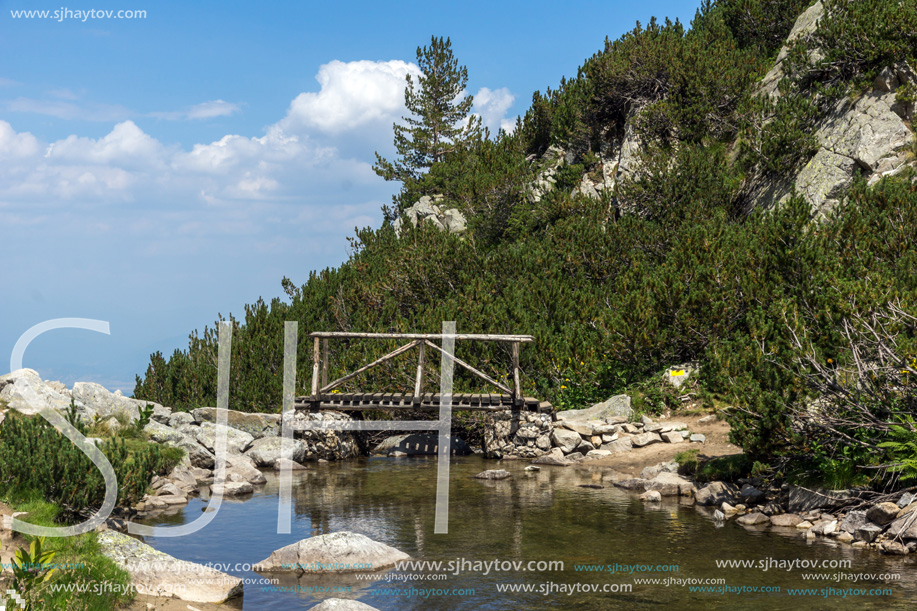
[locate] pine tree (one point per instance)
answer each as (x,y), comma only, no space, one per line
(440,121)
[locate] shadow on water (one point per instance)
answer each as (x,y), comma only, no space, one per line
(534,516)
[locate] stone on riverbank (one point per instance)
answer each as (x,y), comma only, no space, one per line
(716,493)
(326,553)
(753,519)
(236,441)
(267,450)
(883,513)
(155,573)
(788,520)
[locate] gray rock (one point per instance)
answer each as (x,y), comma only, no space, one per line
(883,513)
(824,527)
(753,519)
(24,391)
(494,474)
(341,604)
(906,499)
(805,25)
(256,425)
(543,442)
(651,496)
(236,441)
(95,400)
(671,484)
(583,428)
(711,419)
(280,463)
(230,488)
(893,548)
(598,454)
(698,438)
(904,527)
(621,445)
(155,573)
(617,406)
(867,533)
(324,554)
(645,439)
(677,376)
(267,450)
(853,521)
(716,493)
(426,211)
(673,437)
(552,460)
(634,483)
(584,447)
(161,433)
(786,520)
(161,414)
(644,419)
(750,494)
(179,419)
(565,439)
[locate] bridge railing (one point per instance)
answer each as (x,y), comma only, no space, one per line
(420,341)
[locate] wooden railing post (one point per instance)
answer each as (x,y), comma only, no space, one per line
(316,358)
(418,383)
(325,361)
(517,388)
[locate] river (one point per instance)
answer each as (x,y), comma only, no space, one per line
(546,516)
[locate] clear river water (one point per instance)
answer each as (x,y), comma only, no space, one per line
(546,516)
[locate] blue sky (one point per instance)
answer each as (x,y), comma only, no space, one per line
(157,171)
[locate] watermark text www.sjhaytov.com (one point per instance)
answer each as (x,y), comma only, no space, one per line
(66,14)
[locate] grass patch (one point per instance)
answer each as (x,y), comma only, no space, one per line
(723,468)
(80,561)
(687,461)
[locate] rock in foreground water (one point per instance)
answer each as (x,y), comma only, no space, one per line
(341,552)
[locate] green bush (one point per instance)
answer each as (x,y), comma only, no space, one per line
(34,456)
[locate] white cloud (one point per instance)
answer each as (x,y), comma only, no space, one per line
(491,106)
(126,145)
(352,95)
(5,82)
(204,110)
(16,146)
(70,110)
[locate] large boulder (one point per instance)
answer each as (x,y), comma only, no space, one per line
(24,391)
(256,425)
(341,604)
(339,552)
(155,573)
(670,484)
(161,433)
(715,494)
(565,439)
(94,400)
(265,451)
(236,441)
(198,455)
(615,407)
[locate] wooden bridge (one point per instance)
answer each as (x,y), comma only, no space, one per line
(322,398)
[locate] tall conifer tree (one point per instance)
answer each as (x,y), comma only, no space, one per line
(440,121)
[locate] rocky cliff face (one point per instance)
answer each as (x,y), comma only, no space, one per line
(869,134)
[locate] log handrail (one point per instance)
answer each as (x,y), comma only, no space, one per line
(320,355)
(481,337)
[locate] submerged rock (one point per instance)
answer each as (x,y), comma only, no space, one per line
(341,604)
(494,474)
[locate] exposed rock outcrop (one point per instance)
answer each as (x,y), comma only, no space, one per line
(426,210)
